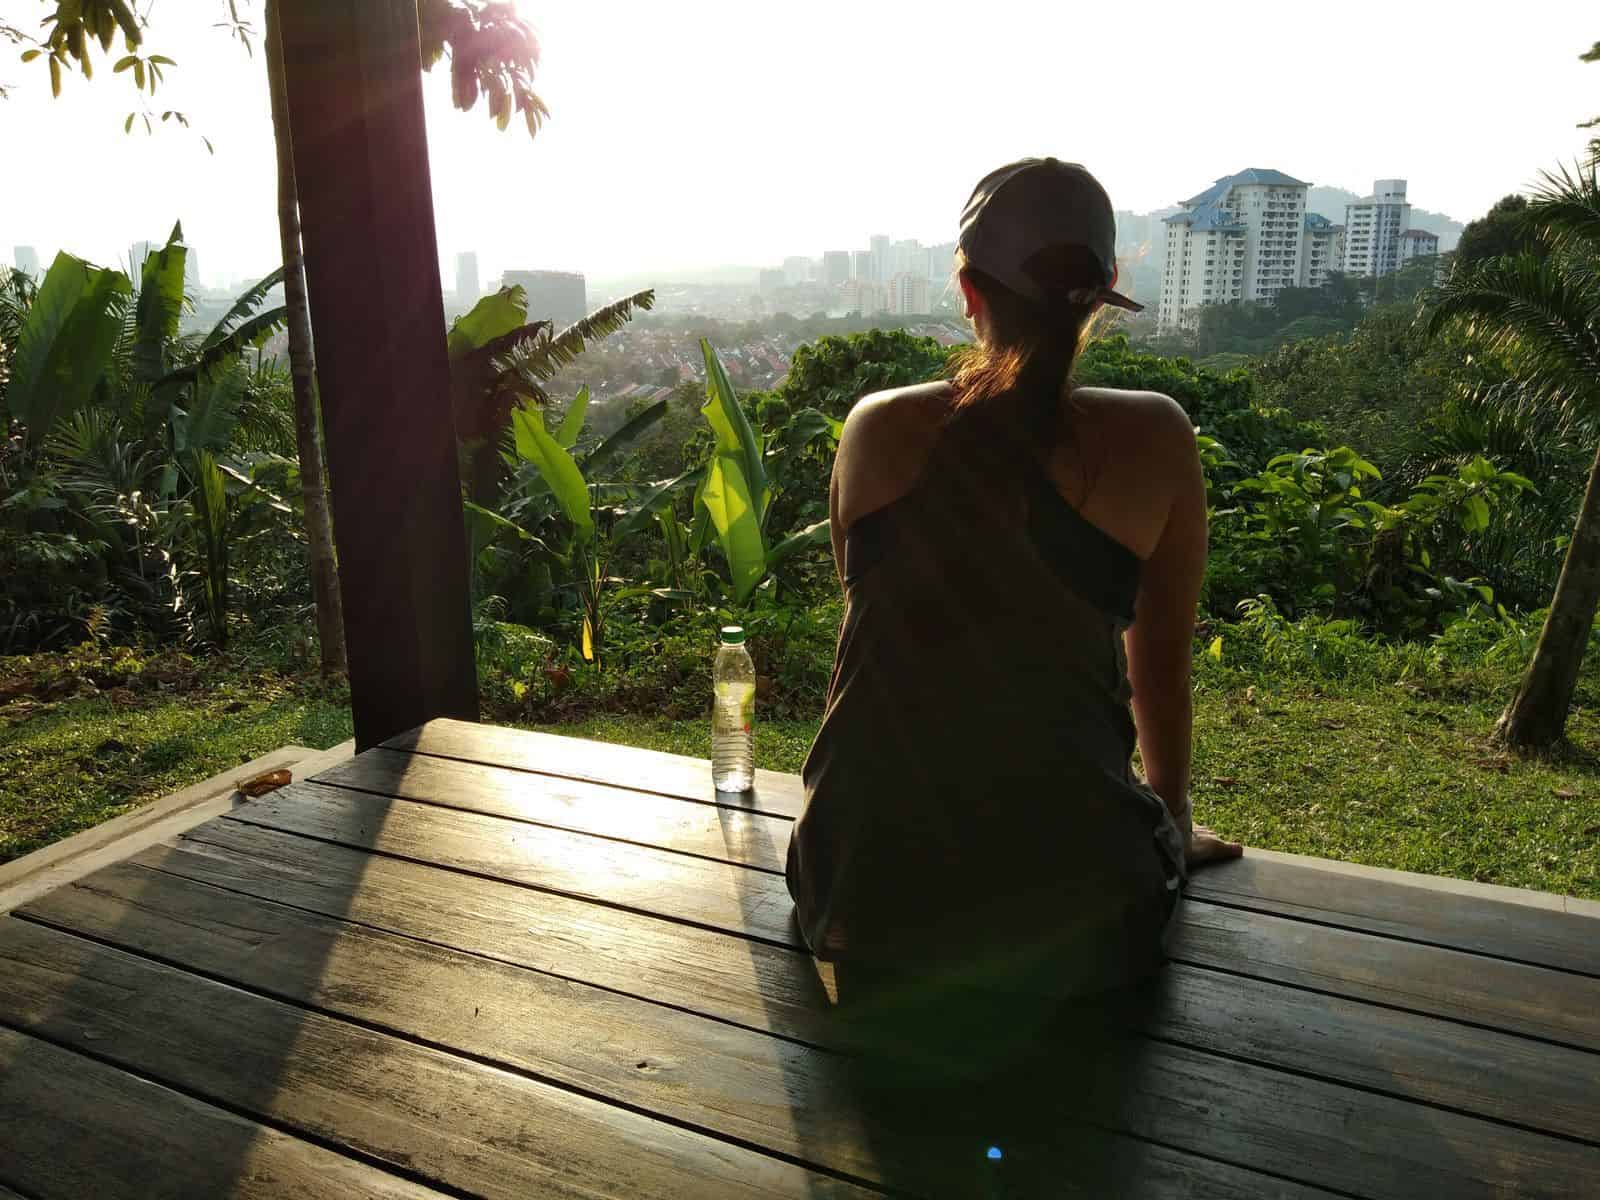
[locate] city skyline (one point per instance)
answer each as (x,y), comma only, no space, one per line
(616,183)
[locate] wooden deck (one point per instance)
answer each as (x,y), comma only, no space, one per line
(485,962)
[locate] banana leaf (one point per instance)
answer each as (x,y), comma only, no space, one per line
(535,445)
(160,307)
(572,423)
(66,343)
(634,428)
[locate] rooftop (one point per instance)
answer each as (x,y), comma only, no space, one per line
(1250,175)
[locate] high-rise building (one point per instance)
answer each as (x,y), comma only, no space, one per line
(1417,243)
(796,269)
(772,279)
(467,290)
(1240,239)
(864,296)
(908,293)
(880,257)
(1372,229)
(27,259)
(861,264)
(942,262)
(560,297)
(191,269)
(835,267)
(1321,250)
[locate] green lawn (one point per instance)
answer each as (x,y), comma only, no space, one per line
(1390,776)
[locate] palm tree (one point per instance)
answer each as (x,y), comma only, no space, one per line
(1541,309)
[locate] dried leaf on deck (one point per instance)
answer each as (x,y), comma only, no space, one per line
(267,781)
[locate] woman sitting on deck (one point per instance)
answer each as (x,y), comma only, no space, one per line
(972,819)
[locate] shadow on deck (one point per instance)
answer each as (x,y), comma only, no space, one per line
(484,962)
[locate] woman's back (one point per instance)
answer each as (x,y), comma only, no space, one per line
(978,720)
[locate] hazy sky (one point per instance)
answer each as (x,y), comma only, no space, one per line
(706,132)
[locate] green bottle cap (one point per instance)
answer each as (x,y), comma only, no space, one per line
(733,635)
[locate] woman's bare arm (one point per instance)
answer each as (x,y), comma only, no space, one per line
(1160,643)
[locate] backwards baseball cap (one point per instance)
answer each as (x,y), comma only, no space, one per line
(1037,204)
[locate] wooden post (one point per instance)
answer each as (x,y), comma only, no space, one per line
(353,72)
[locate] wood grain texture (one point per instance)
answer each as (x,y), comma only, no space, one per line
(1565,941)
(716,895)
(598,762)
(1517,932)
(1271,1024)
(449,1120)
(1533,1001)
(722,833)
(789,1099)
(74,1128)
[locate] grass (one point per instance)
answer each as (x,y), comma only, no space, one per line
(1387,774)
(1383,776)
(72,762)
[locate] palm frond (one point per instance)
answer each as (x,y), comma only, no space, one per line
(253,331)
(539,358)
(249,300)
(1544,316)
(1566,208)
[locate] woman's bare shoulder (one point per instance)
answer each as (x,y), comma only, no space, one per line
(921,404)
(1127,414)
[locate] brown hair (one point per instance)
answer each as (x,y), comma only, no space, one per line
(1025,359)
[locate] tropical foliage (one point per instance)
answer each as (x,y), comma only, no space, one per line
(140,462)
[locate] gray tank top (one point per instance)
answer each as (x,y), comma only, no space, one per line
(969,794)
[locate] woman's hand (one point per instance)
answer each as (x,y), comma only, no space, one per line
(1205,847)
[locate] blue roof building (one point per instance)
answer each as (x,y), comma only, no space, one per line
(1244,238)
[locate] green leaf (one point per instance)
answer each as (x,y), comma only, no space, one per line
(65,344)
(1215,648)
(247,302)
(160,307)
(29,55)
(654,501)
(123,63)
(732,429)
(491,317)
(572,423)
(535,445)
(631,431)
(728,500)
(1475,515)
(211,516)
(808,538)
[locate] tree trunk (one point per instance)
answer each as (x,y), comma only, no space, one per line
(1537,716)
(308,426)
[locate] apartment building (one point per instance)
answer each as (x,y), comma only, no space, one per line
(1417,243)
(908,293)
(1321,250)
(1242,238)
(835,267)
(1373,226)
(864,296)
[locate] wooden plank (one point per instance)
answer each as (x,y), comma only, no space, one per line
(645,818)
(353,79)
(1514,997)
(790,1099)
(1516,932)
(1454,984)
(449,1120)
(1297,1029)
(775,792)
(716,895)
(75,1127)
(1521,933)
(1438,981)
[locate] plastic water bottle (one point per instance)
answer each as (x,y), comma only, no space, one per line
(733,735)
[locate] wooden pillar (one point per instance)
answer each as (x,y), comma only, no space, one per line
(353,74)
